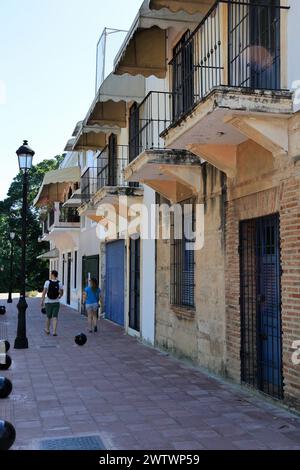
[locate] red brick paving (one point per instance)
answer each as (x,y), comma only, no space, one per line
(133,396)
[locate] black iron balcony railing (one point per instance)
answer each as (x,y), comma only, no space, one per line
(68,215)
(60,217)
(237,44)
(108,172)
(147,121)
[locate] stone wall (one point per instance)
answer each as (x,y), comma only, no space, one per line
(198,335)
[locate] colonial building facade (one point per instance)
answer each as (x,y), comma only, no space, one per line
(201,109)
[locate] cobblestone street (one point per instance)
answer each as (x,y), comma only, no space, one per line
(132,396)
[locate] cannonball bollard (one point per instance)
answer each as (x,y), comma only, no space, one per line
(7,435)
(6,363)
(80,339)
(5,387)
(4,346)
(2,310)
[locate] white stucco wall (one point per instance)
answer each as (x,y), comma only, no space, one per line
(148,279)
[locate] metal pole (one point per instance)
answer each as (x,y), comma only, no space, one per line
(9,300)
(21,341)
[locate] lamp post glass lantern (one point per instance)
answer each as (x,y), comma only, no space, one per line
(25,155)
(11,237)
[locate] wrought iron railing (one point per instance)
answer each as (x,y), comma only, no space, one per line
(148,121)
(236,44)
(68,215)
(108,172)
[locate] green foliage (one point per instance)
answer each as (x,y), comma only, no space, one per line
(10,221)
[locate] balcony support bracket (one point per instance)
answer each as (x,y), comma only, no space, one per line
(223,157)
(175,174)
(269,132)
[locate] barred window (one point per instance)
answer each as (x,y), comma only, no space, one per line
(183,257)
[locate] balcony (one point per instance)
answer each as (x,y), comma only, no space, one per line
(105,183)
(228,77)
(60,223)
(149,162)
(107,173)
(147,121)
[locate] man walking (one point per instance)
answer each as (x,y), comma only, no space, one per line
(52,293)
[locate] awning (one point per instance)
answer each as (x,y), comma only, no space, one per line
(144,50)
(69,145)
(54,185)
(109,105)
(190,6)
(93,137)
(52,254)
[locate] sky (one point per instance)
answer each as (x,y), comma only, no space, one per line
(47,71)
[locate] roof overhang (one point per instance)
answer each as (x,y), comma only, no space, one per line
(144,50)
(175,174)
(52,254)
(228,117)
(54,185)
(189,6)
(92,137)
(109,105)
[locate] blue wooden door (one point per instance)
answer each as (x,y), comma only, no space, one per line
(114,288)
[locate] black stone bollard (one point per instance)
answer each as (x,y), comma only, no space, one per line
(7,435)
(5,387)
(80,339)
(6,345)
(2,310)
(7,364)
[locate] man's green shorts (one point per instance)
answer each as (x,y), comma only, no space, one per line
(52,309)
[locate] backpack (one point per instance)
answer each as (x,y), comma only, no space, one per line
(53,290)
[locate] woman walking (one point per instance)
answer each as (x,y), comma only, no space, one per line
(91,298)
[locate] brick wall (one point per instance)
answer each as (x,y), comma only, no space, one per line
(284,199)
(290,259)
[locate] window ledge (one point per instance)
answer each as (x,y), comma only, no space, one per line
(185,313)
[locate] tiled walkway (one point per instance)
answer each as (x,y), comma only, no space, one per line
(134,397)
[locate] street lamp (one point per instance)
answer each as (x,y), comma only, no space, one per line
(11,237)
(25,156)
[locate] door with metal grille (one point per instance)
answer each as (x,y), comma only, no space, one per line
(183,76)
(134,285)
(134,132)
(114,291)
(254,44)
(112,160)
(260,274)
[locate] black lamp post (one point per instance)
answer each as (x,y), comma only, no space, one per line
(25,156)
(11,237)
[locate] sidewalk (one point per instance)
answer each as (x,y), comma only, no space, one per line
(132,396)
